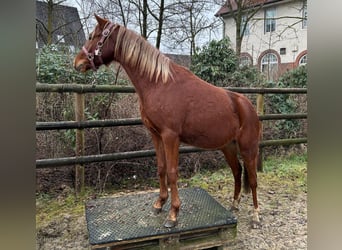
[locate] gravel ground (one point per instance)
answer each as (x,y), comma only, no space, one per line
(283,222)
(283,218)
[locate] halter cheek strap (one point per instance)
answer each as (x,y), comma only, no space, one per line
(90,58)
(98,50)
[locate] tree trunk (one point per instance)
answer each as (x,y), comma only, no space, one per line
(160,24)
(144,24)
(49,22)
(238,45)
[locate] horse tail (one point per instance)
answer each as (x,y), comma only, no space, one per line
(246,186)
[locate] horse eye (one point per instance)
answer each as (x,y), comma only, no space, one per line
(90,36)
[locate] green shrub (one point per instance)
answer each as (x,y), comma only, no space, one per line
(214,62)
(296,78)
(54,64)
(218,64)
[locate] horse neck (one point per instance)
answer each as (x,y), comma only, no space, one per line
(141,83)
(141,80)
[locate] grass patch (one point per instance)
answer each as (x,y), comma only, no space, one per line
(206,179)
(291,169)
(50,208)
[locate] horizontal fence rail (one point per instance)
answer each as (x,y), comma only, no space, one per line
(64,161)
(135,121)
(106,157)
(87,124)
(82,89)
(80,125)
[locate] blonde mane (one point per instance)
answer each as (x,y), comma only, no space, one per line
(137,52)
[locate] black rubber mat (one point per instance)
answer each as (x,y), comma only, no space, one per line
(131,217)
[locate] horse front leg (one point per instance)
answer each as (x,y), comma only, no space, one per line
(171,147)
(161,164)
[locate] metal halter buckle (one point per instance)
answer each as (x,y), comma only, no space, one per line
(97,52)
(90,57)
(105,32)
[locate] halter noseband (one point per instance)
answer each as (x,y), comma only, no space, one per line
(98,50)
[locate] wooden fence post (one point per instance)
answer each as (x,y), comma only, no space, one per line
(260,111)
(79,168)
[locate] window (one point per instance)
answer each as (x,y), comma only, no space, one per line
(305,15)
(269,66)
(282,51)
(245,61)
(270,22)
(303,60)
(243,23)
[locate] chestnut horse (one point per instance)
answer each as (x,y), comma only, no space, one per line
(177,106)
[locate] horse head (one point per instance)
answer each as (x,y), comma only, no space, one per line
(97,50)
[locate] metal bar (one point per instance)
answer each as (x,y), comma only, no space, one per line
(58,162)
(84,88)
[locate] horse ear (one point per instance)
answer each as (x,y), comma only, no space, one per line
(101,21)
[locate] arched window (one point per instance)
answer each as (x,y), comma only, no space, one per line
(269,66)
(245,61)
(303,60)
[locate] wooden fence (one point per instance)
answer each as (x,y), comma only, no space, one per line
(80,124)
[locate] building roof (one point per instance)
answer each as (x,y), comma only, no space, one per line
(65,23)
(224,10)
(183,60)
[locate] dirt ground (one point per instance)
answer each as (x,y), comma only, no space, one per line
(283,215)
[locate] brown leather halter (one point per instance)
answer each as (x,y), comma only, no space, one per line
(98,50)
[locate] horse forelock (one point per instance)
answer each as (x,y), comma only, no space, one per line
(137,52)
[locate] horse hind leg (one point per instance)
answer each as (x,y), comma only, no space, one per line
(230,153)
(250,163)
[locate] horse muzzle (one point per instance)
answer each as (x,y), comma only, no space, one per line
(81,65)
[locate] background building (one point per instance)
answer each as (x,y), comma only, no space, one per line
(58,24)
(275,39)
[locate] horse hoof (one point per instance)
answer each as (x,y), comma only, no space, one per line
(256,220)
(170,223)
(156,210)
(233,208)
(256,225)
(235,205)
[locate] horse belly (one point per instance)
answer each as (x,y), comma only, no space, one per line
(210,131)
